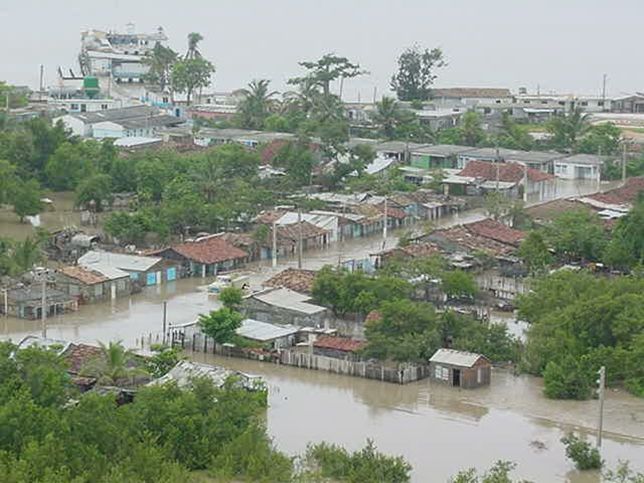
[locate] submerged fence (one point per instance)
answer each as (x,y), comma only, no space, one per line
(400,374)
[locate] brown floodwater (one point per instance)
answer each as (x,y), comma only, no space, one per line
(438,429)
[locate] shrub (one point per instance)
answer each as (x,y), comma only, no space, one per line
(582,453)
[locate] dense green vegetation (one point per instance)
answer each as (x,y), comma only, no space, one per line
(51,433)
(579,322)
(582,453)
(406,330)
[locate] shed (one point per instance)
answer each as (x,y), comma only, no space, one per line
(460,369)
(277,336)
(93,283)
(142,269)
(285,306)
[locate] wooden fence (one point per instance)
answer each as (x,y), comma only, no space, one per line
(400,374)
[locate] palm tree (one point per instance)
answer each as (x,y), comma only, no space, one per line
(193,41)
(567,130)
(26,254)
(387,116)
(160,61)
(114,365)
(256,104)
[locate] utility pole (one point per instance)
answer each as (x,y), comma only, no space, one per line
(43,308)
(42,85)
(165,320)
(6,302)
(299,238)
(496,164)
(623,163)
(604,93)
(384,226)
(602,383)
(274,250)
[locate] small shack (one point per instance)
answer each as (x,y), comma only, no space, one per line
(275,336)
(93,283)
(460,369)
(141,269)
(337,347)
(285,307)
(26,302)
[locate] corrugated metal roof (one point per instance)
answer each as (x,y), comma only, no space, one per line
(288,299)
(185,371)
(131,263)
(263,331)
(455,358)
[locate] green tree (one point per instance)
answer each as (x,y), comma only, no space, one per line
(231,297)
(297,160)
(164,358)
(387,117)
(603,139)
(471,129)
(70,164)
(256,104)
(8,181)
(97,189)
(513,135)
(26,198)
(191,74)
(626,247)
(193,46)
(534,252)
(498,473)
(576,235)
(160,61)
(115,365)
(567,130)
(416,73)
(582,453)
(458,283)
(568,379)
(16,99)
(329,68)
(221,324)
(26,254)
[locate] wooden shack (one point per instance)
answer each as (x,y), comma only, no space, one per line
(460,369)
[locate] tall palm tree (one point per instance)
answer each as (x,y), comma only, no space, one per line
(387,116)
(193,42)
(114,365)
(569,129)
(256,104)
(160,61)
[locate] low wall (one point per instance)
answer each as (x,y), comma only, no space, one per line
(401,374)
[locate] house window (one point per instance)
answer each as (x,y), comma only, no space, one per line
(600,103)
(544,102)
(527,101)
(498,101)
(166,100)
(584,103)
(104,106)
(479,375)
(74,107)
(562,103)
(83,107)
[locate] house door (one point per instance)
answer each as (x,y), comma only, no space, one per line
(456,377)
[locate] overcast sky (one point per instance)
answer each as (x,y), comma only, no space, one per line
(562,45)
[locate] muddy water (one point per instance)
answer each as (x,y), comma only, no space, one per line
(442,430)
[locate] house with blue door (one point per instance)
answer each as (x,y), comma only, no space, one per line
(204,256)
(143,270)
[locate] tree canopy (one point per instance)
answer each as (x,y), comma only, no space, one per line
(416,73)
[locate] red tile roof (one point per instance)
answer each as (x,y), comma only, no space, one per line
(294,279)
(209,250)
(78,355)
(495,230)
(343,344)
(291,232)
(623,195)
(84,275)
(508,172)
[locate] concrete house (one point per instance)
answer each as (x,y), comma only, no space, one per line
(142,270)
(438,156)
(460,369)
(629,104)
(579,166)
(90,285)
(26,302)
(470,96)
(207,255)
(271,335)
(286,307)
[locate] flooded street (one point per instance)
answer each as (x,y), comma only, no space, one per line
(442,430)
(439,430)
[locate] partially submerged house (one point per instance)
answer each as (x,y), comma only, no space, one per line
(93,284)
(460,369)
(204,256)
(142,270)
(437,156)
(337,347)
(286,307)
(26,302)
(184,373)
(271,336)
(512,179)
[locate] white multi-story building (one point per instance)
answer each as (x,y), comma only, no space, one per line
(117,55)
